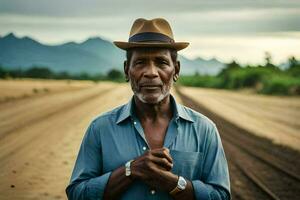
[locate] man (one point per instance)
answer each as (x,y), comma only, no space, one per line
(152,147)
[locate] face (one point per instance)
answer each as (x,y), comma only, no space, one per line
(151,74)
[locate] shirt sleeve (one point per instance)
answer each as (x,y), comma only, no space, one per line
(87,180)
(215,183)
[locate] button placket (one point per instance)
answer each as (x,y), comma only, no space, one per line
(139,129)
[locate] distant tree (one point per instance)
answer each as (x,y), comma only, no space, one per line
(2,72)
(229,67)
(268,60)
(233,65)
(114,74)
(294,67)
(39,72)
(63,75)
(293,62)
(226,73)
(17,73)
(83,76)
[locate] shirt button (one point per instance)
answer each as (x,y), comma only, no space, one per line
(152,192)
(134,122)
(144,148)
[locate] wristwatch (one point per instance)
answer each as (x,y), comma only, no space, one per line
(127,168)
(181,185)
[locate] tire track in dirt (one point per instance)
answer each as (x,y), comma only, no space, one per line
(42,167)
(42,114)
(13,99)
(251,113)
(262,159)
(24,113)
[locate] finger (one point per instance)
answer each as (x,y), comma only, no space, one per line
(161,149)
(162,163)
(162,153)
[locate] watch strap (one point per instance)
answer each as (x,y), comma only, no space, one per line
(175,191)
(179,187)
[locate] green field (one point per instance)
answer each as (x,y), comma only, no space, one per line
(267,79)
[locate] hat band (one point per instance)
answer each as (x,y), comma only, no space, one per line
(150,36)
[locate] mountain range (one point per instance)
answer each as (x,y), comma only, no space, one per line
(95,55)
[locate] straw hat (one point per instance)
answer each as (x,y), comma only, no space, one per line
(151,33)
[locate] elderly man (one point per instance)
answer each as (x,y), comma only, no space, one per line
(152,147)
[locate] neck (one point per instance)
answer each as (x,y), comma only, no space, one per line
(153,112)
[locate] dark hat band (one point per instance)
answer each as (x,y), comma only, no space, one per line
(150,36)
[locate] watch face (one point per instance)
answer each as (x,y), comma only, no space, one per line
(181,183)
(127,168)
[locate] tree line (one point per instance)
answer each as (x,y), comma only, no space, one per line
(265,79)
(46,73)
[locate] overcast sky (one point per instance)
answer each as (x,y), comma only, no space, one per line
(227,29)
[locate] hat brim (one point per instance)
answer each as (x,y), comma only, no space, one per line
(127,45)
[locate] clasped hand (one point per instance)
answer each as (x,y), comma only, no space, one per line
(154,168)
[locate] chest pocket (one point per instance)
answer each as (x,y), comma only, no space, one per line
(187,164)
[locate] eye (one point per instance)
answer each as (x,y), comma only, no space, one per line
(163,63)
(139,62)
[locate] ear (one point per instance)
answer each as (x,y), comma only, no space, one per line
(126,69)
(177,68)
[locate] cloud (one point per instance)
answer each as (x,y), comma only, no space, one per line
(188,17)
(85,8)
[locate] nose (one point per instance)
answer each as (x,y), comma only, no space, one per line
(151,71)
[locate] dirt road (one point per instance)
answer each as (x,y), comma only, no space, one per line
(272,117)
(40,137)
(259,168)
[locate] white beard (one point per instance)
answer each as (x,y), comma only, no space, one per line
(142,98)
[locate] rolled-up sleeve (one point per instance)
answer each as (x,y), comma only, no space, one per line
(87,181)
(215,183)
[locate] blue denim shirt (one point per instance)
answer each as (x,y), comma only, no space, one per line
(116,137)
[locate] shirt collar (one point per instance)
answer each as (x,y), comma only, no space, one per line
(179,111)
(126,111)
